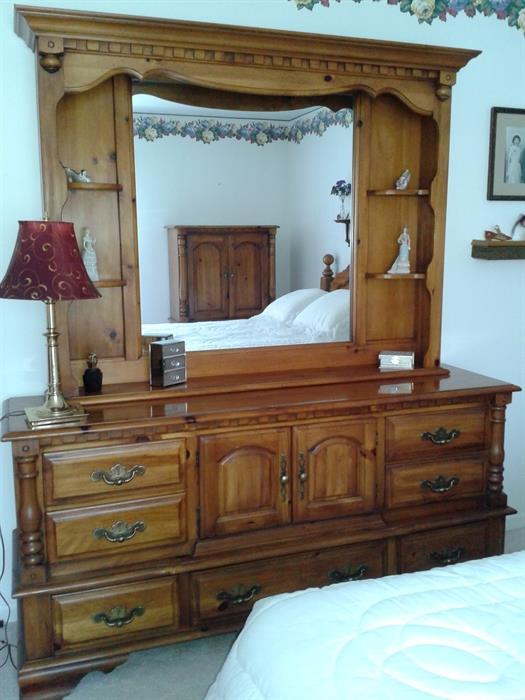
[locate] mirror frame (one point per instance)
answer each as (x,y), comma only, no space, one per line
(77,51)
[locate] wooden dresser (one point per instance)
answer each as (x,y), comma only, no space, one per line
(165,518)
(171,511)
(220,272)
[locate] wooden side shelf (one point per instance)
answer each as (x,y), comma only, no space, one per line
(110,283)
(398,193)
(95,186)
(390,276)
(498,250)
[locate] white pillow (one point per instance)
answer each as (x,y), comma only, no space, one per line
(287,307)
(329,314)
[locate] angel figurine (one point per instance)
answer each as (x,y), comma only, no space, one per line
(89,256)
(403,180)
(401,264)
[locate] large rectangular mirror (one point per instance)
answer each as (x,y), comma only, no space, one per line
(235,213)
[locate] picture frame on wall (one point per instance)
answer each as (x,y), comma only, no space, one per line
(506,178)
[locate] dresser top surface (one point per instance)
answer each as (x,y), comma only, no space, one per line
(196,403)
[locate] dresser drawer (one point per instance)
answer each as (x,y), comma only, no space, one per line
(425,550)
(111,529)
(115,613)
(435,433)
(434,482)
(113,471)
(230,592)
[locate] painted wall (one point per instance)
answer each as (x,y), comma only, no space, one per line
(316,166)
(227,182)
(484,302)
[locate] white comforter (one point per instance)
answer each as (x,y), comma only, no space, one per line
(257,331)
(456,633)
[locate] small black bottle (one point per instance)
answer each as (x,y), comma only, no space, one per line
(92,376)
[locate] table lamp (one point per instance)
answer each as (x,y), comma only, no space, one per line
(47,266)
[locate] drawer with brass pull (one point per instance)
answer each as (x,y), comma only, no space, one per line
(230,592)
(110,529)
(434,481)
(425,550)
(115,471)
(435,433)
(115,611)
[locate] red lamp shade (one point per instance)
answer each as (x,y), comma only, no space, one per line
(46,265)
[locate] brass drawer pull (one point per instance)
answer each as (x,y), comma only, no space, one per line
(303,474)
(447,555)
(283,477)
(346,574)
(118,474)
(440,484)
(119,616)
(119,531)
(442,436)
(237,596)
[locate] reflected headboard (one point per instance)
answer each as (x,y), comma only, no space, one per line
(331,281)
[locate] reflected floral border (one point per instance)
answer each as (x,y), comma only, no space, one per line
(260,132)
(429,10)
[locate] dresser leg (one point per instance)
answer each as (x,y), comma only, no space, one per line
(42,681)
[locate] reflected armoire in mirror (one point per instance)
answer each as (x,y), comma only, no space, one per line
(170,511)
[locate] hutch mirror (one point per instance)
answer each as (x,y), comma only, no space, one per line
(89,65)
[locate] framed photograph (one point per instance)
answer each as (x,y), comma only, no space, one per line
(507,154)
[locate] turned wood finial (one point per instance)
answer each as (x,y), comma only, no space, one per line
(328,273)
(50,62)
(443,92)
(445,82)
(51,52)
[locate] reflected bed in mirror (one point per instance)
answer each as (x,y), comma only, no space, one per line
(215,167)
(312,315)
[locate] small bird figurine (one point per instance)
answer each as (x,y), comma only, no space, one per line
(74,176)
(403,180)
(496,234)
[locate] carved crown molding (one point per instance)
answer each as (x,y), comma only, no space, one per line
(131,37)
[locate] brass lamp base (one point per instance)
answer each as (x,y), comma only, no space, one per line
(43,417)
(55,411)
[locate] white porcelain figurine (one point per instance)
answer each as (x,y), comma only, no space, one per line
(403,180)
(401,264)
(89,257)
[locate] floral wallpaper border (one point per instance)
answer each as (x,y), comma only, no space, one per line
(259,132)
(429,10)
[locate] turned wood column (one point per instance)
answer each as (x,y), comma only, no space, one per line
(271,266)
(29,510)
(496,497)
(183,278)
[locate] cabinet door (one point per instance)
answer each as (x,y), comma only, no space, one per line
(334,471)
(244,481)
(207,277)
(248,274)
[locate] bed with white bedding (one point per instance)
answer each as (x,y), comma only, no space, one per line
(302,316)
(454,633)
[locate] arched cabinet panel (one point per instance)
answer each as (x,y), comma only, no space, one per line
(244,481)
(334,470)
